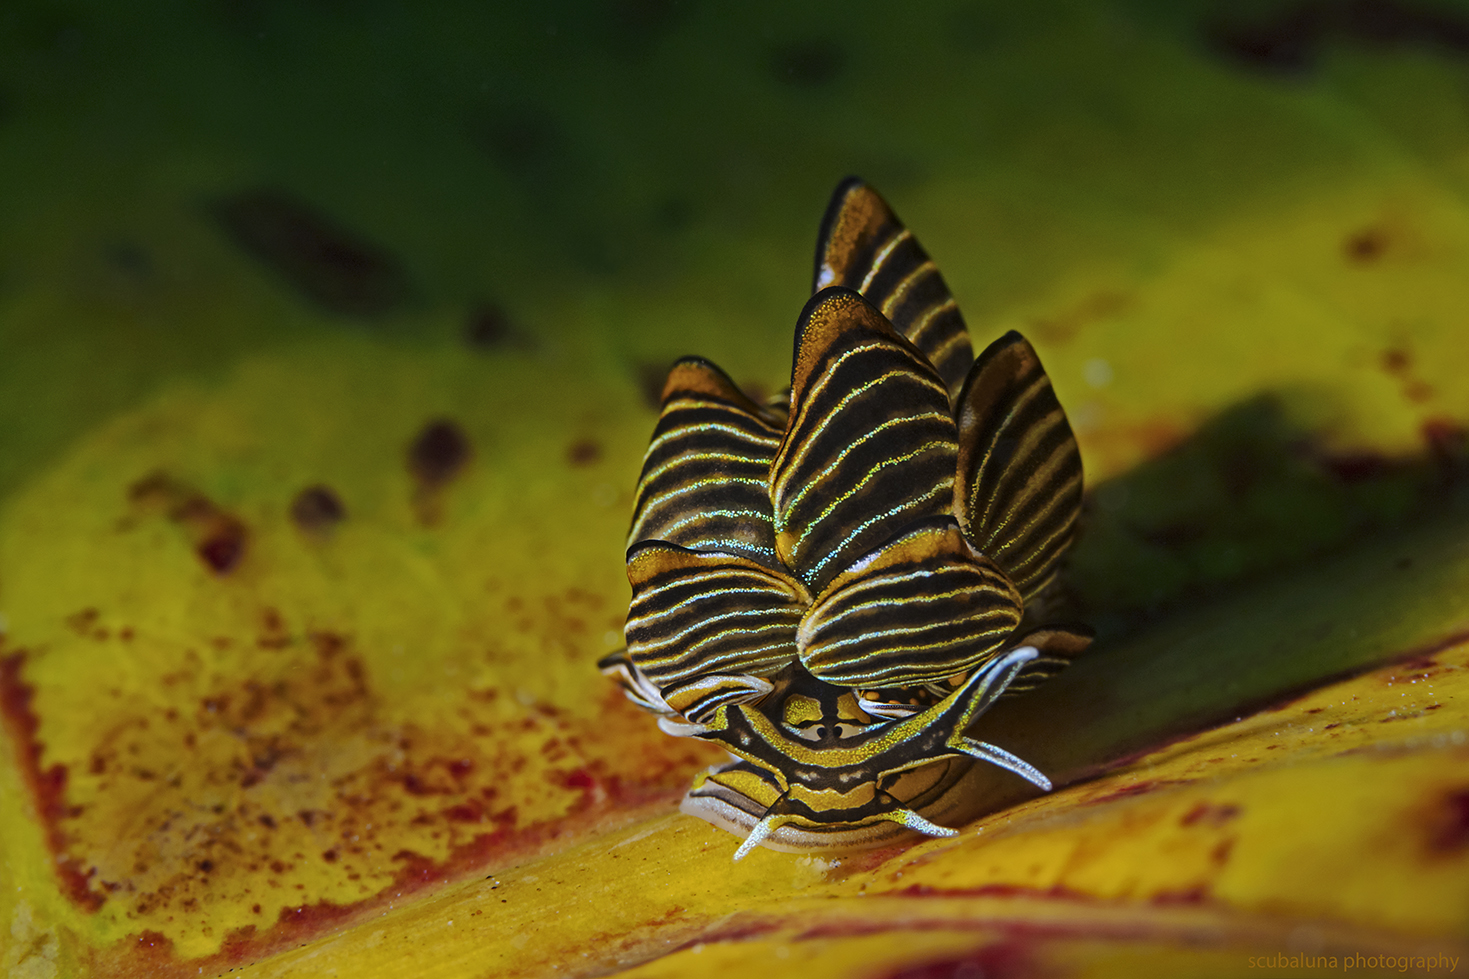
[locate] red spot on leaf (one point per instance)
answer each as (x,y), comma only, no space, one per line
(1210,814)
(465,812)
(48,785)
(1189,895)
(1450,832)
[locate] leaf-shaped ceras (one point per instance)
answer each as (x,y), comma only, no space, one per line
(705,483)
(1019,480)
(864,247)
(871,445)
(863,493)
(712,606)
(923,607)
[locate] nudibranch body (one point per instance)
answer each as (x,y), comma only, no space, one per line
(834,585)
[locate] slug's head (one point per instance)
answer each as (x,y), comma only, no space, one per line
(814,769)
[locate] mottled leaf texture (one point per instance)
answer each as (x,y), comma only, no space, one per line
(863,246)
(922,607)
(694,613)
(871,446)
(705,480)
(1019,482)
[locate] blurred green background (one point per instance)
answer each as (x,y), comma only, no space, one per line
(1236,232)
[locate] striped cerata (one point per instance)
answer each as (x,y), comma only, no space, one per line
(834,585)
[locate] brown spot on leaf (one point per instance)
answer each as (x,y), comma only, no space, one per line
(469,811)
(1065,325)
(273,631)
(218,537)
(328,644)
(1210,814)
(334,268)
(583,452)
(1188,895)
(1449,823)
(1220,853)
(438,453)
(1285,44)
(1365,246)
(1286,40)
(488,326)
(317,509)
(82,622)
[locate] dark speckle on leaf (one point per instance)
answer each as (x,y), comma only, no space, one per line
(218,537)
(1396,360)
(1451,830)
(1287,40)
(438,453)
(583,452)
(329,265)
(223,549)
(808,63)
(317,508)
(1282,45)
(487,326)
(1365,246)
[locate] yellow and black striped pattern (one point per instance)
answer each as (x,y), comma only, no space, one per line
(1019,478)
(864,247)
(706,476)
(871,445)
(923,607)
(694,613)
(833,585)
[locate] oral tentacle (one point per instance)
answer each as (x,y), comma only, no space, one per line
(989,683)
(768,824)
(911,819)
(999,756)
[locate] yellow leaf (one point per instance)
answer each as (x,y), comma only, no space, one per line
(298,611)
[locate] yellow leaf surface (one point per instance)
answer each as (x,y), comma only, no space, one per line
(299,608)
